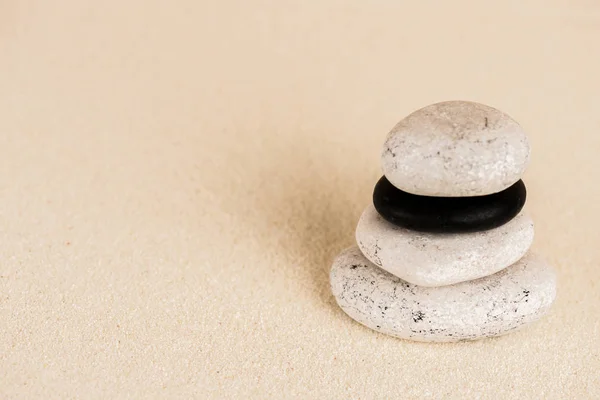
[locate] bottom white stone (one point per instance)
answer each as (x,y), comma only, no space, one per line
(485,307)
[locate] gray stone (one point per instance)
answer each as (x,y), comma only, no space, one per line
(436,259)
(486,307)
(455,149)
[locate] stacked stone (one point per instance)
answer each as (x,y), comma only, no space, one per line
(443,252)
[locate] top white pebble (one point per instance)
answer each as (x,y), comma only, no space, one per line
(455,149)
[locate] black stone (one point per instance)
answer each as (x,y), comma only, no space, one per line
(448,214)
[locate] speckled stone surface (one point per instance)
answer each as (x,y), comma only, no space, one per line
(448,214)
(454,149)
(430,259)
(486,307)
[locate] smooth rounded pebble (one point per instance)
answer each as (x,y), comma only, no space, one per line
(487,307)
(448,214)
(455,149)
(429,259)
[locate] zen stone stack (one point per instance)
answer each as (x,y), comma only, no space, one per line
(443,252)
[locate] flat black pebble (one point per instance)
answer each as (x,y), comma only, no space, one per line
(448,214)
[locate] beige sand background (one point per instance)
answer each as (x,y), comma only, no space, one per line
(176,177)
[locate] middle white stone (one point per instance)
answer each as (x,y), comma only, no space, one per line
(434,259)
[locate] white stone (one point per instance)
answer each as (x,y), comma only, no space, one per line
(455,149)
(486,307)
(437,259)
